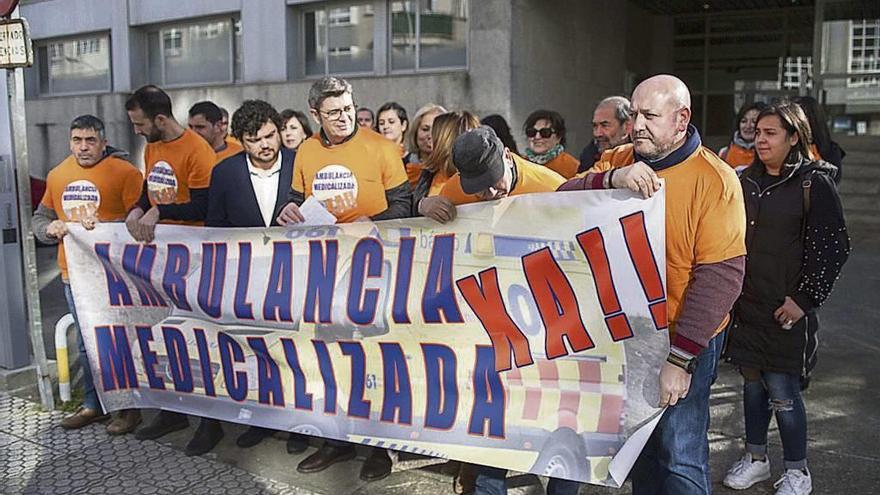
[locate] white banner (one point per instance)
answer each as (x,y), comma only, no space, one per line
(527,335)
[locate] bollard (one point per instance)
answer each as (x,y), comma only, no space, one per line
(61,356)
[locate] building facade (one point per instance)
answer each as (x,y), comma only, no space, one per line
(489,56)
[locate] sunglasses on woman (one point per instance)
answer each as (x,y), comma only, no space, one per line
(545,132)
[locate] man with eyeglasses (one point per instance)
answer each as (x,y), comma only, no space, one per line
(356,174)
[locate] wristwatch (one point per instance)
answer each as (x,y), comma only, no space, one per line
(689,365)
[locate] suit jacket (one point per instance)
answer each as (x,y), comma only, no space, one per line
(231,198)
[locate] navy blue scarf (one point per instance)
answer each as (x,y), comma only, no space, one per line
(690,145)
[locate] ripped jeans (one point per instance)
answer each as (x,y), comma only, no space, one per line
(766,393)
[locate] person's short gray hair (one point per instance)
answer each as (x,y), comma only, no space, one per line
(622,107)
(327,87)
(89,122)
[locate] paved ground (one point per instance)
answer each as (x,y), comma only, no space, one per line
(36,456)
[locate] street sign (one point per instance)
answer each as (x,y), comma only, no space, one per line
(15,44)
(7,6)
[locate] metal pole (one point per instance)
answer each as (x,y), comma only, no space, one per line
(18,124)
(818,33)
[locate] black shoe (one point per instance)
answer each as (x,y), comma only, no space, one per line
(252,436)
(377,465)
(325,457)
(164,423)
(297,443)
(207,436)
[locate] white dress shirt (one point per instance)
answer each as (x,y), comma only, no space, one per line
(265,184)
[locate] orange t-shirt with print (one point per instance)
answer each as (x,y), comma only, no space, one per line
(530,178)
(349,179)
(705,217)
(109,188)
(564,164)
(233,147)
(173,168)
(737,156)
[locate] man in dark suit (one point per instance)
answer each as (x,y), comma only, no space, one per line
(249,189)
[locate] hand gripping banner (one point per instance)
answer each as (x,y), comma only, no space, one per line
(527,335)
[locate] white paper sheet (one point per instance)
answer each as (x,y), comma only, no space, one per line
(315,213)
(626,457)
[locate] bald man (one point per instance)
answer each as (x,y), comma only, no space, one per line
(705,261)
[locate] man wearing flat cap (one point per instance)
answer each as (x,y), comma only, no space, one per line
(487,170)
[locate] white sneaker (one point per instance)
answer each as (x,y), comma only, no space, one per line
(794,482)
(746,472)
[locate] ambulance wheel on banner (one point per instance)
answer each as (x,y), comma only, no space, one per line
(563,456)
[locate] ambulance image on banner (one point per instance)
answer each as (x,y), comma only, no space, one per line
(541,421)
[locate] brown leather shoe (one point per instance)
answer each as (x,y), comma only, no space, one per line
(125,422)
(377,465)
(325,457)
(82,417)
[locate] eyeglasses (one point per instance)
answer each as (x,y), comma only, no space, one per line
(545,132)
(337,113)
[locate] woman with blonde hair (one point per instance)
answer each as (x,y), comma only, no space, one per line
(419,140)
(438,168)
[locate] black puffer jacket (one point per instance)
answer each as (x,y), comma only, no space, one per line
(788,255)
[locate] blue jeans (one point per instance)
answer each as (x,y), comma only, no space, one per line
(777,393)
(675,460)
(493,481)
(91,397)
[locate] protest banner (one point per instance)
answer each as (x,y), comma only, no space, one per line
(527,335)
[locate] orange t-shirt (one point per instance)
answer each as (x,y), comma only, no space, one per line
(349,179)
(440,179)
(705,217)
(413,172)
(530,178)
(564,164)
(737,156)
(173,168)
(232,148)
(110,187)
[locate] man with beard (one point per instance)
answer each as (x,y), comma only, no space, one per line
(177,171)
(612,126)
(177,166)
(705,262)
(249,190)
(356,174)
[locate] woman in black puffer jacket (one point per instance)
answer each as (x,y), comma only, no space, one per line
(797,244)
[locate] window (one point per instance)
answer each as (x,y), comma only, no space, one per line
(864,53)
(428,34)
(91,45)
(338,40)
(74,65)
(794,71)
(201,52)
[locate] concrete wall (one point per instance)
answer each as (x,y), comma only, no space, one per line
(484,88)
(567,55)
